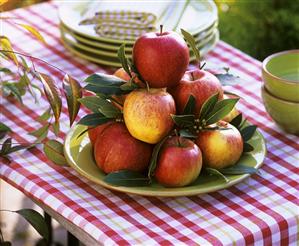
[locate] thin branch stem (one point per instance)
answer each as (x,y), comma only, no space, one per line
(32,57)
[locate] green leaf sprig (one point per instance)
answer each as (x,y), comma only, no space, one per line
(211,112)
(247,132)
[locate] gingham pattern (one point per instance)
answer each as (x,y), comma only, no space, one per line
(262,210)
(122,25)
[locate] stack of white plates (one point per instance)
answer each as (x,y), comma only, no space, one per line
(200,18)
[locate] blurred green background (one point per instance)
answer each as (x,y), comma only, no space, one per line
(257,27)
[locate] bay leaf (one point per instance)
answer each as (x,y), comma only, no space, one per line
(221,109)
(72,91)
(126,178)
(183,120)
(190,106)
(52,94)
(238,169)
(54,151)
(93,119)
(36,220)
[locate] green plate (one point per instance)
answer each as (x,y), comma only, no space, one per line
(68,38)
(78,153)
(199,38)
(90,56)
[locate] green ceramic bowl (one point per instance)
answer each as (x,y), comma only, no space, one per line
(284,113)
(281,75)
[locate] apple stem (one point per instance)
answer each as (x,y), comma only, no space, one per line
(202,66)
(179,137)
(147,86)
(192,75)
(161,29)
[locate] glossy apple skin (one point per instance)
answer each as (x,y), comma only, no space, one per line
(220,148)
(147,114)
(161,59)
(179,163)
(199,83)
(95,132)
(117,150)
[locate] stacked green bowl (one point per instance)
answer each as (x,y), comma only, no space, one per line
(280,92)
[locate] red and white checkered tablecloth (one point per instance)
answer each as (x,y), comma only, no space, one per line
(263,209)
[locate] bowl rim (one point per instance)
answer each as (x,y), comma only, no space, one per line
(267,59)
(266,91)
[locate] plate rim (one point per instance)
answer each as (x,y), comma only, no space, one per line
(205,41)
(208,47)
(167,193)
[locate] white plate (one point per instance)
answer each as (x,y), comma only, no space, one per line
(198,16)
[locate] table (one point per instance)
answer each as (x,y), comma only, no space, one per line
(261,210)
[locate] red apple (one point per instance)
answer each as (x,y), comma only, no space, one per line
(179,162)
(199,83)
(95,132)
(117,150)
(220,148)
(147,114)
(161,58)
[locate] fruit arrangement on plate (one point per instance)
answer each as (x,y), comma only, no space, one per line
(155,121)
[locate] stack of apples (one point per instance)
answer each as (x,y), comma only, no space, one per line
(161,60)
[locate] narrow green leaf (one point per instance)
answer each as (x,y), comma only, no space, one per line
(5,70)
(238,169)
(56,128)
(123,60)
(191,41)
(221,109)
(248,132)
(54,151)
(183,120)
(247,147)
(97,104)
(4,127)
(14,91)
(36,220)
(91,102)
(52,94)
(72,91)
(126,178)
(22,84)
(106,84)
(5,146)
(190,105)
(187,134)
(237,121)
(129,86)
(229,79)
(93,119)
(24,63)
(154,157)
(109,110)
(16,148)
(208,106)
(217,173)
(45,116)
(41,132)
